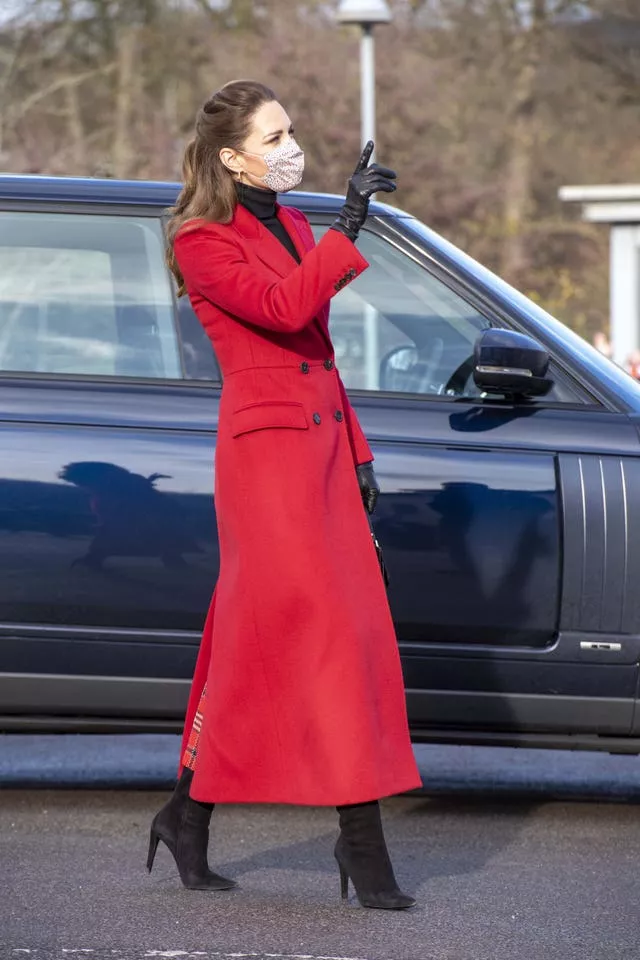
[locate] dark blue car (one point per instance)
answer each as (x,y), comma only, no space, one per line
(509,464)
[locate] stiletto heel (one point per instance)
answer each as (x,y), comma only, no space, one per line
(344,882)
(154,840)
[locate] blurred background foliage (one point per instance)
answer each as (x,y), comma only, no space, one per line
(485,107)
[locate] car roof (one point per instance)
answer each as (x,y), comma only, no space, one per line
(153,193)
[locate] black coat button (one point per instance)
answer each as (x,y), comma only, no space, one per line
(328,364)
(353,272)
(304,366)
(317,418)
(338,415)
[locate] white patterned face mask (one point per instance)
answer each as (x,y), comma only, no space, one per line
(285,165)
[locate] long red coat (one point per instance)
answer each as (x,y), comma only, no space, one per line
(305,698)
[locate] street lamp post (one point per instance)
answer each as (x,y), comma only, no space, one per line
(366,13)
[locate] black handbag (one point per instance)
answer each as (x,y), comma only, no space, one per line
(379,554)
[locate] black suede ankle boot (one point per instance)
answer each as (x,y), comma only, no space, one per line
(183,825)
(362,856)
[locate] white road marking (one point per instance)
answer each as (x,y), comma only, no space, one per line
(127,954)
(171,954)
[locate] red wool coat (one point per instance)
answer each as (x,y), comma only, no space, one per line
(305,699)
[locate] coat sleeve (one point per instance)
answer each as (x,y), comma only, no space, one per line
(214,266)
(359,447)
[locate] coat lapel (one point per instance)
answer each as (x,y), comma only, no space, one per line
(265,246)
(274,255)
(304,242)
(301,241)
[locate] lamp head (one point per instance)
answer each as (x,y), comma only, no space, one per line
(363,12)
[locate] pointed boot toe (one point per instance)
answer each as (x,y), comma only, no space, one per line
(396,900)
(210,881)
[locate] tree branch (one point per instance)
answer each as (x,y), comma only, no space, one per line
(20,109)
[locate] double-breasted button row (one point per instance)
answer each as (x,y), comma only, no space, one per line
(338,415)
(327,364)
(343,281)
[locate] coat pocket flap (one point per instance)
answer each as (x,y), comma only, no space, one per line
(269,413)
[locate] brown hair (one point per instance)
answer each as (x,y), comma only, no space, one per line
(208,190)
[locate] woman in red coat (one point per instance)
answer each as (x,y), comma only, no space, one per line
(298,694)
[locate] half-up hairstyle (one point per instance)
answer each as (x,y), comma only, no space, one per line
(208,190)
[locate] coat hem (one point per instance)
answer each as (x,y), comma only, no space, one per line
(345,798)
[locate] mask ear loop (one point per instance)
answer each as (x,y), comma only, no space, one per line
(261,156)
(237,177)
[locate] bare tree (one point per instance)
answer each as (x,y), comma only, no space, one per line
(125,97)
(485,107)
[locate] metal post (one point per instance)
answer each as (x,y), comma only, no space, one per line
(371,347)
(624,290)
(368,132)
(367,85)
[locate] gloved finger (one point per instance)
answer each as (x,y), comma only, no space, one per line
(367,184)
(387,186)
(365,156)
(382,171)
(374,179)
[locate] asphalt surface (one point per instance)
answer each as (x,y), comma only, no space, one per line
(513,855)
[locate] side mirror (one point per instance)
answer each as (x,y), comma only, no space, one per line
(510,363)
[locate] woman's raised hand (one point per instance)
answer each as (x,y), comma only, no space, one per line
(365,180)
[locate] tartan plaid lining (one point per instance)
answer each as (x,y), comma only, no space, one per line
(191,750)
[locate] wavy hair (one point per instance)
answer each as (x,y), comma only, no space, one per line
(208,190)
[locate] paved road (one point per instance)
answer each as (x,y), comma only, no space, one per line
(506,862)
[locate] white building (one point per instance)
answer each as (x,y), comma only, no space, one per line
(619,206)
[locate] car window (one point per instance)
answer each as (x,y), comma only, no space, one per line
(200,362)
(398,328)
(86,294)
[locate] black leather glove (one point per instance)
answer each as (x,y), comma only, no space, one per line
(364,181)
(369,488)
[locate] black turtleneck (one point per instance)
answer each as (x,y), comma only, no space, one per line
(262,204)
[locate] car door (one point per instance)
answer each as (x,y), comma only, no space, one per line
(493,515)
(108,549)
